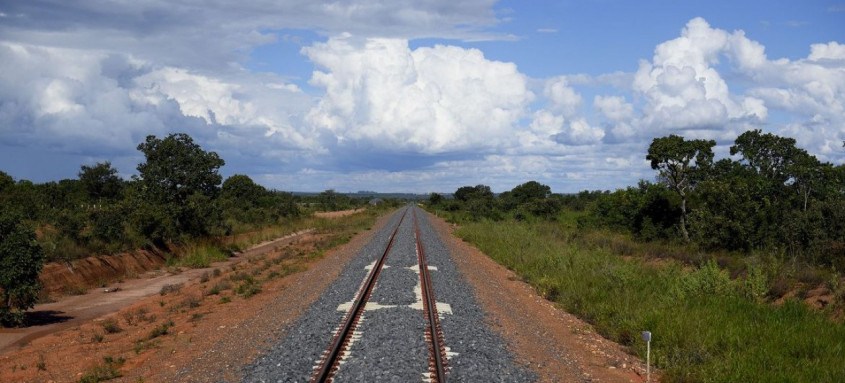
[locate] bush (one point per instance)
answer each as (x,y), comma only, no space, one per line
(160,330)
(707,280)
(110,326)
(110,369)
(248,287)
(21,259)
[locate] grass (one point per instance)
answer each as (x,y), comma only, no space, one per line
(97,338)
(199,255)
(219,287)
(41,364)
(110,326)
(133,317)
(143,345)
(248,287)
(707,327)
(75,290)
(160,330)
(108,370)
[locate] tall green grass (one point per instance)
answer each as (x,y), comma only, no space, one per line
(707,327)
(199,255)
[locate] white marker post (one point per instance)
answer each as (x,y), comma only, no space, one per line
(647,339)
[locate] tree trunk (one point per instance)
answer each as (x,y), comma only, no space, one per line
(806,197)
(684,218)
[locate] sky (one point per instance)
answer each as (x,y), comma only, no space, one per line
(414,96)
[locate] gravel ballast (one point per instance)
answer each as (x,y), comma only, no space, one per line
(392,346)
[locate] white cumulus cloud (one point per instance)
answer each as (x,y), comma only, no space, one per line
(683,88)
(829,51)
(428,100)
(562,97)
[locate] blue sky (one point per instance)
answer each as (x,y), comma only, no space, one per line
(408,97)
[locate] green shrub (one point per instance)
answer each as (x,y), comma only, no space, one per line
(200,256)
(707,281)
(160,330)
(248,287)
(109,369)
(110,326)
(21,259)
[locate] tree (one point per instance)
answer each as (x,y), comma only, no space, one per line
(6,181)
(182,181)
(681,164)
(330,200)
(101,181)
(242,189)
(478,200)
(809,176)
(176,167)
(530,191)
(435,199)
(467,193)
(21,259)
(769,155)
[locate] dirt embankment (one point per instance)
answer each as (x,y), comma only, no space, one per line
(78,275)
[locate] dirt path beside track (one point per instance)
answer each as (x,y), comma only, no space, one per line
(73,310)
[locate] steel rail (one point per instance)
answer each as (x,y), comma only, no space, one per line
(437,347)
(329,365)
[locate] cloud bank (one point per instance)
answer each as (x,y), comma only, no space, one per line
(92,80)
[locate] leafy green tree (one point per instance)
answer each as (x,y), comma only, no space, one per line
(283,204)
(810,176)
(21,259)
(241,188)
(329,200)
(101,181)
(6,181)
(182,181)
(768,155)
(478,200)
(467,193)
(435,199)
(681,163)
(529,191)
(176,168)
(530,199)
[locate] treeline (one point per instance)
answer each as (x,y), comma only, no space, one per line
(178,195)
(528,201)
(772,196)
(177,198)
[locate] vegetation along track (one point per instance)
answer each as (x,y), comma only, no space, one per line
(390,327)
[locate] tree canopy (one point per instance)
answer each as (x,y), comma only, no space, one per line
(774,196)
(681,163)
(177,168)
(101,181)
(178,185)
(21,259)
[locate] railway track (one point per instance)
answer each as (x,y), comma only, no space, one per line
(380,321)
(338,350)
